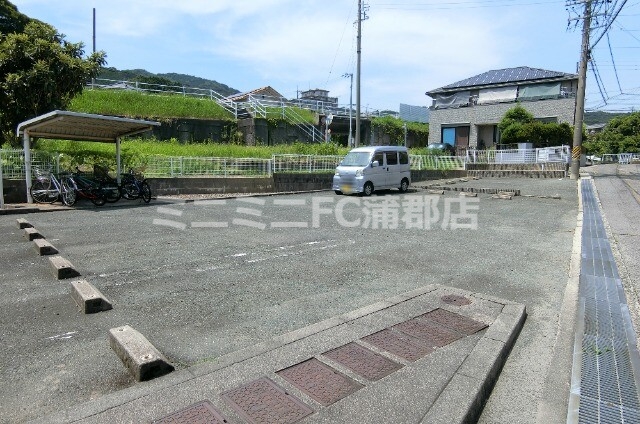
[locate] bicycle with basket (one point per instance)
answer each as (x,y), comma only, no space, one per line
(49,188)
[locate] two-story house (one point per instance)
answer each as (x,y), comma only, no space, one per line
(466,113)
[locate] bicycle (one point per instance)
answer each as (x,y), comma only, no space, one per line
(109,185)
(87,188)
(134,186)
(47,188)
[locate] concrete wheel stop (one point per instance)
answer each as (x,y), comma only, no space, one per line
(88,298)
(143,360)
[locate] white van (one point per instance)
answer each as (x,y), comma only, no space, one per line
(366,169)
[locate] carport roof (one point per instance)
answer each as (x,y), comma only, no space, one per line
(67,125)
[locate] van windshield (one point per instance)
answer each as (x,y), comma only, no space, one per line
(356,159)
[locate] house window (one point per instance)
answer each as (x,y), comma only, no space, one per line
(456,136)
(449,135)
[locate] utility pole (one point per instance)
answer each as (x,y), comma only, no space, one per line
(350,139)
(362,15)
(576,152)
(94,29)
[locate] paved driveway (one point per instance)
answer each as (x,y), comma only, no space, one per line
(203,279)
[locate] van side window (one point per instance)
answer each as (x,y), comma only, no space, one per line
(379,157)
(404,158)
(392,158)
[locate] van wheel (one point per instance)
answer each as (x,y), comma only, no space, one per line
(367,189)
(404,185)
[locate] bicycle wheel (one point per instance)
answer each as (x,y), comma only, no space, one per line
(129,191)
(111,192)
(145,191)
(41,191)
(68,192)
(97,197)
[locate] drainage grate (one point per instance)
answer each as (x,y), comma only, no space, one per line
(263,401)
(430,332)
(199,413)
(457,322)
(456,300)
(320,381)
(363,361)
(400,345)
(608,386)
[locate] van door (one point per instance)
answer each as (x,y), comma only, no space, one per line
(393,170)
(377,175)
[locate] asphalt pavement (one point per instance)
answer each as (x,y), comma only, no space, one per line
(248,287)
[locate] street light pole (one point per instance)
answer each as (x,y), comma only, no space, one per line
(350,140)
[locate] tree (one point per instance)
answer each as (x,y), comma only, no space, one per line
(39,72)
(10,19)
(519,126)
(620,135)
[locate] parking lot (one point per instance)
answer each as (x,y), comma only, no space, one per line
(206,278)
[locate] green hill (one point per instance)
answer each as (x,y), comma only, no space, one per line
(142,75)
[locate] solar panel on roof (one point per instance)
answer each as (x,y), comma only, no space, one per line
(500,76)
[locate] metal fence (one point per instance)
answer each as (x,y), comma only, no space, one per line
(183,166)
(512,156)
(13,164)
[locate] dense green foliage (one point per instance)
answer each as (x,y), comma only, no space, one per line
(166,79)
(519,126)
(39,72)
(137,151)
(11,20)
(135,104)
(600,117)
(395,129)
(620,135)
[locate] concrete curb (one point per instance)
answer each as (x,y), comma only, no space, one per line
(556,399)
(464,372)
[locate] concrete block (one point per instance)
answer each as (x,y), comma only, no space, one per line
(23,223)
(468,194)
(62,268)
(43,247)
(435,191)
(143,360)
(31,234)
(88,298)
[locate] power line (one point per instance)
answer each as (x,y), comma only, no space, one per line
(615,70)
(462,4)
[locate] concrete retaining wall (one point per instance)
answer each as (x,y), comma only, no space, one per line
(210,185)
(282,182)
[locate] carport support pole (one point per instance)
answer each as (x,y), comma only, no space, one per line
(118,170)
(1,185)
(26,140)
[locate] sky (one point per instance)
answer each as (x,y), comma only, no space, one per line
(408,46)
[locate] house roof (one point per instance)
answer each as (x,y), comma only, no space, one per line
(262,91)
(507,76)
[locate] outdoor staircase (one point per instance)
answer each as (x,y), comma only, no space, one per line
(523,170)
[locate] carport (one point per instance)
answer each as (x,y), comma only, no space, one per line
(65,125)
